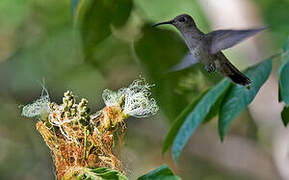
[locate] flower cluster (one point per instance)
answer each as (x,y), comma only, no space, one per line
(80,140)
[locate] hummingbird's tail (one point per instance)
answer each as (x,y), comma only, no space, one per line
(235,75)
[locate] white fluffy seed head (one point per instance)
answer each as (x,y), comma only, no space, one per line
(136,98)
(112,98)
(38,108)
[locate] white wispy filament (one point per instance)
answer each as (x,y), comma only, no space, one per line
(137,101)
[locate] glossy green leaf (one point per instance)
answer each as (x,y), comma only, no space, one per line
(94,18)
(109,174)
(178,123)
(197,116)
(283,73)
(285,115)
(283,90)
(239,97)
(102,174)
(161,173)
(284,82)
(214,111)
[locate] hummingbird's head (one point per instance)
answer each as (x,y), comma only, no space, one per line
(180,22)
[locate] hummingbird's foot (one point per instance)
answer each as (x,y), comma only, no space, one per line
(210,68)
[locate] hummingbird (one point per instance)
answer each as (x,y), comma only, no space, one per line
(207,48)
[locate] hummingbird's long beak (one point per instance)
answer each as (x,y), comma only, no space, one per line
(161,23)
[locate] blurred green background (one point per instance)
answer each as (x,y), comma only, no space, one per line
(87,47)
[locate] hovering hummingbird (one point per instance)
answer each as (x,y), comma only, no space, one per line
(207,48)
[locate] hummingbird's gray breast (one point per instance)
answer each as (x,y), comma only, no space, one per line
(193,39)
(202,53)
(200,50)
(198,44)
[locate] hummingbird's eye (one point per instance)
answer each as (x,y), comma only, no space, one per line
(182,19)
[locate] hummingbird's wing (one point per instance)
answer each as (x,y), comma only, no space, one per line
(187,61)
(223,39)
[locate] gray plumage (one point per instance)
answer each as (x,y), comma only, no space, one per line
(206,48)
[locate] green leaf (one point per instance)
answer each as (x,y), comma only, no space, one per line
(197,115)
(94,18)
(103,174)
(238,97)
(178,123)
(283,73)
(216,107)
(161,173)
(284,82)
(283,91)
(285,115)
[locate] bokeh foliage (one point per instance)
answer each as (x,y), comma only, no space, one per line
(88,45)
(275,14)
